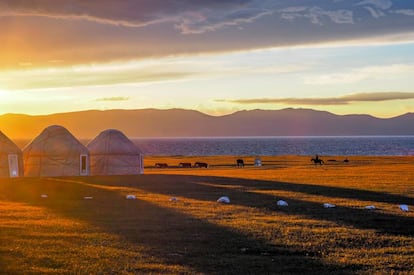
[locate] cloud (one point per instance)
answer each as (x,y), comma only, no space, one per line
(196,23)
(115,98)
(375,12)
(79,31)
(341,100)
(146,71)
(406,12)
(380,96)
(192,17)
(360,74)
(381,4)
(122,13)
(316,15)
(93,75)
(189,16)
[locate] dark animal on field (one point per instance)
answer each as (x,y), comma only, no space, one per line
(201,165)
(346,160)
(161,165)
(185,164)
(240,163)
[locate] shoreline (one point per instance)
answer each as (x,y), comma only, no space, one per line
(292,162)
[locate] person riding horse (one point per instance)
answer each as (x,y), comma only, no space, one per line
(317,160)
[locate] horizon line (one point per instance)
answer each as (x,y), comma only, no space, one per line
(203,112)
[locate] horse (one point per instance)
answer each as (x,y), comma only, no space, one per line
(185,164)
(317,161)
(240,163)
(201,165)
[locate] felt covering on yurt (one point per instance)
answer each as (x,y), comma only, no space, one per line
(11,161)
(112,153)
(55,152)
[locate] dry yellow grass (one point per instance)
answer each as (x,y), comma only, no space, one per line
(109,234)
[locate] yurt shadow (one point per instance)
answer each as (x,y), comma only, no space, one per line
(174,237)
(241,192)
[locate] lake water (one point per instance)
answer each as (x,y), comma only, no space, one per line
(270,146)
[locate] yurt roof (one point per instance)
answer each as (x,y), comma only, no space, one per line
(8,146)
(55,140)
(113,142)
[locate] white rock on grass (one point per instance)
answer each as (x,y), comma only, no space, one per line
(328,205)
(404,207)
(173,199)
(131,197)
(282,203)
(44,196)
(87,198)
(223,200)
(370,207)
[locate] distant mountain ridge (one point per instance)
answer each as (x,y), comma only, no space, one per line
(190,123)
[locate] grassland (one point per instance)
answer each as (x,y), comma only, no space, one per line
(67,234)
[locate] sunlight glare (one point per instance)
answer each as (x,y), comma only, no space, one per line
(4,95)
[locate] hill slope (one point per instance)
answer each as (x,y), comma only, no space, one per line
(183,123)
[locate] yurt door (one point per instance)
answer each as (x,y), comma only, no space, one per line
(141,164)
(13,166)
(84,171)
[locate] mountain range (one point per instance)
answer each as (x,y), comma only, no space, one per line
(189,123)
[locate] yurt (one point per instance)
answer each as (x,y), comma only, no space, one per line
(11,162)
(55,152)
(112,153)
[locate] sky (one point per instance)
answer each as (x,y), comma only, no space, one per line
(215,56)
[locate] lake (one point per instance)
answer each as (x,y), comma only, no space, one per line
(269,146)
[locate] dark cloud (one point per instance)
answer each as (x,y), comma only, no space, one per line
(102,30)
(378,96)
(342,100)
(129,13)
(192,16)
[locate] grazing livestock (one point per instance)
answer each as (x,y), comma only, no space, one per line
(240,163)
(185,164)
(201,165)
(161,165)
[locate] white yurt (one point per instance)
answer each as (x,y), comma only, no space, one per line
(55,152)
(112,153)
(11,161)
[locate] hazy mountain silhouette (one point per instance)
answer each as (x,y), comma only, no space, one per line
(188,123)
